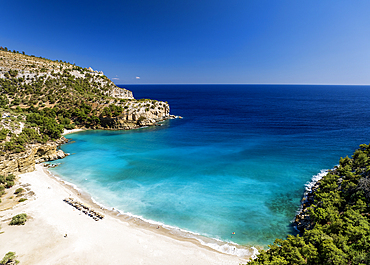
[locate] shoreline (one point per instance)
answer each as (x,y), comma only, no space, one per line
(122,238)
(213,244)
(301,221)
(157,123)
(245,252)
(72,131)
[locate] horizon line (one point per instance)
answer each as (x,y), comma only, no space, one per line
(314,84)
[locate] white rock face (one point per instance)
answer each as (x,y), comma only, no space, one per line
(29,68)
(123,93)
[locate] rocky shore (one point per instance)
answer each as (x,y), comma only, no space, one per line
(302,220)
(129,122)
(19,163)
(39,97)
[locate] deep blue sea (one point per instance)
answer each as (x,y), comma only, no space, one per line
(237,162)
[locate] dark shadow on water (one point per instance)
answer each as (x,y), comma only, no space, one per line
(286,205)
(165,125)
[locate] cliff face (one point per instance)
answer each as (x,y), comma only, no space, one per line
(144,113)
(29,68)
(25,162)
(117,92)
(302,220)
(18,163)
(40,97)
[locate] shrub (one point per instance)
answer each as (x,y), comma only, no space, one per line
(22,199)
(8,180)
(10,177)
(19,219)
(9,258)
(9,184)
(19,190)
(13,73)
(3,134)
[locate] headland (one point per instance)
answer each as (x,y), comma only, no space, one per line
(40,101)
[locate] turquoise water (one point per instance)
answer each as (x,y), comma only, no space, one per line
(237,162)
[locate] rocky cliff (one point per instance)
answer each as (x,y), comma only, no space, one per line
(39,98)
(18,163)
(302,220)
(138,114)
(29,68)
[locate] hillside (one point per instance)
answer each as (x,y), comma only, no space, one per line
(39,98)
(334,221)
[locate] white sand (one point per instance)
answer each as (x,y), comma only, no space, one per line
(109,241)
(72,131)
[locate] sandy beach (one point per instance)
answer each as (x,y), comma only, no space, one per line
(72,131)
(57,233)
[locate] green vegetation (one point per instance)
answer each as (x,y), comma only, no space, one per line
(43,97)
(19,219)
(22,199)
(340,220)
(50,99)
(3,134)
(9,258)
(19,191)
(7,181)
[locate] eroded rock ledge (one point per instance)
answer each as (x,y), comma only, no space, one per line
(19,163)
(36,153)
(134,121)
(302,220)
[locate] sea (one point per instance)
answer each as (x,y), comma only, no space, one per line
(234,169)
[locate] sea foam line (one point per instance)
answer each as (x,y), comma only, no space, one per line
(309,185)
(229,247)
(308,188)
(226,247)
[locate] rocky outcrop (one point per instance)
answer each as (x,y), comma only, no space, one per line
(117,92)
(117,123)
(63,86)
(302,220)
(140,114)
(30,67)
(36,153)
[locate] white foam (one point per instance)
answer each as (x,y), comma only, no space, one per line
(309,185)
(64,181)
(230,248)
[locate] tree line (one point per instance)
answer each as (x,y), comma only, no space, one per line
(340,229)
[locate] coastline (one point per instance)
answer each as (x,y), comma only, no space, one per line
(118,236)
(72,131)
(213,244)
(302,220)
(228,248)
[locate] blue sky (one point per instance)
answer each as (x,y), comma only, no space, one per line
(195,41)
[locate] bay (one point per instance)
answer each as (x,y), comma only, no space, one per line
(237,162)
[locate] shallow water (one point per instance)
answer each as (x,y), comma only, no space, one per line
(237,162)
